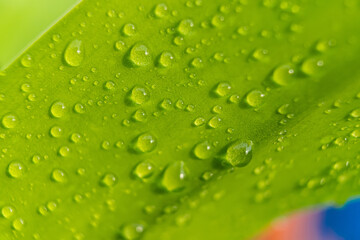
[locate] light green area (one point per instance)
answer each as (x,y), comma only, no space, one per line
(181,120)
(23,21)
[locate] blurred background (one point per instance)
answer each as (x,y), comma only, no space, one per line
(24,21)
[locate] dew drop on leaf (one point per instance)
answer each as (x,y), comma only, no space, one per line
(58,109)
(9,121)
(255,98)
(16,169)
(144,170)
(203,150)
(237,154)
(283,75)
(145,143)
(174,176)
(139,55)
(132,231)
(74,53)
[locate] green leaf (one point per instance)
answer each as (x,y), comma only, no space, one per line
(180,120)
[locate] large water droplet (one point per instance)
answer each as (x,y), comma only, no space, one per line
(237,154)
(56,131)
(312,66)
(139,55)
(175,176)
(145,143)
(18,224)
(26,60)
(74,53)
(7,211)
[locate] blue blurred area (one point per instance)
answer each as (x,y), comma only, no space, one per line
(343,222)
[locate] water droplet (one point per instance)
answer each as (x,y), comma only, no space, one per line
(7,211)
(140,115)
(166,59)
(36,159)
(25,87)
(197,62)
(283,109)
(312,66)
(51,205)
(144,170)
(74,53)
(109,85)
(355,113)
(215,122)
(217,109)
(166,104)
(16,169)
(58,109)
(206,176)
(174,177)
(145,143)
(283,75)
(120,45)
(237,154)
(185,26)
(79,108)
(18,224)
(132,231)
(203,150)
(59,176)
(255,98)
(180,104)
(234,98)
(64,151)
(9,121)
(199,122)
(56,131)
(355,133)
(222,89)
(75,137)
(26,61)
(139,55)
(109,180)
(161,10)
(43,210)
(217,20)
(129,29)
(139,95)
(260,54)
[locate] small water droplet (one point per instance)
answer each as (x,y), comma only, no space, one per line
(109,180)
(199,122)
(206,176)
(222,89)
(59,176)
(16,169)
(185,26)
(26,61)
(312,66)
(9,121)
(132,231)
(174,177)
(355,113)
(203,150)
(7,212)
(129,30)
(166,59)
(109,85)
(237,154)
(215,122)
(79,108)
(283,109)
(58,109)
(139,95)
(283,75)
(56,131)
(140,115)
(64,151)
(120,45)
(161,10)
(144,170)
(255,98)
(74,53)
(139,55)
(144,143)
(75,137)
(18,224)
